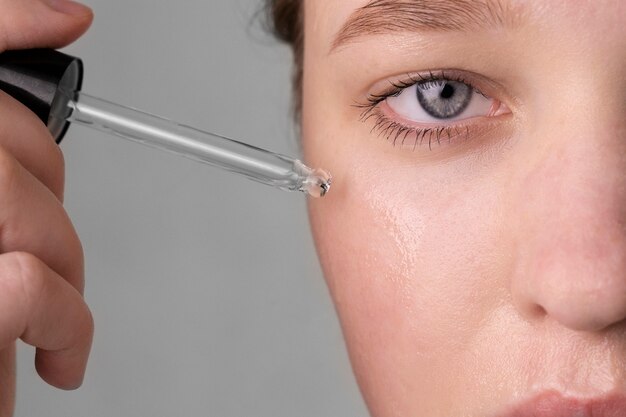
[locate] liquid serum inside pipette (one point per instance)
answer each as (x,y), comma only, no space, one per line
(316,182)
(322,185)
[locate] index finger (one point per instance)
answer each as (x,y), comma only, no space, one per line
(28,24)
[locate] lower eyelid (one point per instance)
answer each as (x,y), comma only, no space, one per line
(406,134)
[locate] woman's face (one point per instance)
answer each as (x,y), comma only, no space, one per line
(474,241)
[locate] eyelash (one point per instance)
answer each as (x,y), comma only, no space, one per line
(390,128)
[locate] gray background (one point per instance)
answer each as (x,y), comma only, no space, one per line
(207,296)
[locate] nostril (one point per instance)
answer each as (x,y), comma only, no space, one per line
(529,309)
(539,311)
(536,312)
(580,316)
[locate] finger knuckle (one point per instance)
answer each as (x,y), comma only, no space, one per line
(27,270)
(87,324)
(9,171)
(60,160)
(56,165)
(51,166)
(20,278)
(57,159)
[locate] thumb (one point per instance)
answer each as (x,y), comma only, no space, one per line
(26,24)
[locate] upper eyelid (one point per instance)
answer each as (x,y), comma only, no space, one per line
(384,88)
(398,85)
(413,79)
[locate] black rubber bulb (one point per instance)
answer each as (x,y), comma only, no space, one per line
(35,77)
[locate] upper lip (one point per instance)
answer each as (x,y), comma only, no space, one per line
(555,404)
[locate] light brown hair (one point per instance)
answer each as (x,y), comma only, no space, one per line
(286,20)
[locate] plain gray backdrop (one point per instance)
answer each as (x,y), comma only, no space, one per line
(205,288)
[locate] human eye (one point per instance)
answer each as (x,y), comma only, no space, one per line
(430,108)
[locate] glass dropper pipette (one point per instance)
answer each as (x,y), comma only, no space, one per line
(255,163)
(48,82)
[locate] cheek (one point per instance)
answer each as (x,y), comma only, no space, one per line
(411,260)
(404,251)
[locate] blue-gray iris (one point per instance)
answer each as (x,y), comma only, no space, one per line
(444,99)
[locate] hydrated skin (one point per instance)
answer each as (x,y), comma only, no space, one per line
(470,276)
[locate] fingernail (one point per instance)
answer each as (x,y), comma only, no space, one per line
(69,7)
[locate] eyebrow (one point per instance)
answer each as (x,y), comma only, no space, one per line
(380,17)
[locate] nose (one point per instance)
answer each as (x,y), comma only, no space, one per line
(570,257)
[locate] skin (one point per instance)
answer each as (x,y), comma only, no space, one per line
(41,258)
(466,278)
(478,274)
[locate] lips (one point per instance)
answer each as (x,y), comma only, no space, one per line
(553,404)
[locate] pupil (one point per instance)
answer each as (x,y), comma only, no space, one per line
(447,91)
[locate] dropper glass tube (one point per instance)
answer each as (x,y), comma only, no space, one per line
(255,163)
